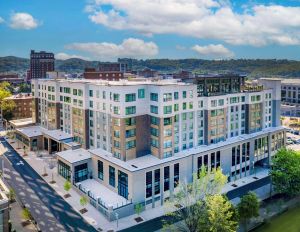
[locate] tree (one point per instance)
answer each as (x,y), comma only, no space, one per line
(138,208)
(67,187)
(26,215)
(7,106)
(248,208)
(83,201)
(285,172)
(188,205)
(24,88)
(11,194)
(222,215)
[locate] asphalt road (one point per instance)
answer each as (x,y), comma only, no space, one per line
(157,223)
(50,210)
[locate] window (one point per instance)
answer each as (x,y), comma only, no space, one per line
(130,110)
(129,121)
(167,121)
(176,175)
(167,144)
(154,120)
(176,96)
(116,97)
(221,102)
(156,181)
(100,170)
(141,93)
(91,93)
(116,110)
(167,97)
(117,133)
(130,144)
(153,96)
(153,109)
(148,184)
(91,104)
(154,142)
(112,178)
(167,109)
(184,106)
(176,107)
(130,133)
(116,144)
(74,91)
(154,131)
(166,178)
(130,97)
(183,94)
(123,184)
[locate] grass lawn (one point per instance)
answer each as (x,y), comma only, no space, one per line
(288,222)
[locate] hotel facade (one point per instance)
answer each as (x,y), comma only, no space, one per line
(139,139)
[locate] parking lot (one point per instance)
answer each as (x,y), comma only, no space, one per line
(293,141)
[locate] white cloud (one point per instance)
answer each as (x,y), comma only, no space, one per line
(23,21)
(217,51)
(130,47)
(65,56)
(1,20)
(258,25)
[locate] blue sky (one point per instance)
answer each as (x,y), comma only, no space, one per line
(107,29)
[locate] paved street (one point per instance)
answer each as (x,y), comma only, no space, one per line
(49,209)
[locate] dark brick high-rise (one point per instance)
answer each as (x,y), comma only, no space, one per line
(40,63)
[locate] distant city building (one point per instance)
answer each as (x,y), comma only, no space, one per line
(11,78)
(147,72)
(92,73)
(183,75)
(23,103)
(113,67)
(56,75)
(40,63)
(290,97)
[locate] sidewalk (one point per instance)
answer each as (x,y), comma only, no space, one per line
(93,216)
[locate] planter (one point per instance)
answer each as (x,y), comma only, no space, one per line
(82,211)
(138,219)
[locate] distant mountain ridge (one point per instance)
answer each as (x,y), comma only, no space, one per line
(250,67)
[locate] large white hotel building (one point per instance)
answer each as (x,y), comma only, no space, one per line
(140,138)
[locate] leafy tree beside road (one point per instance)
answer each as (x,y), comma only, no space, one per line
(285,172)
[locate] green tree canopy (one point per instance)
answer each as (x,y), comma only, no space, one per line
(188,205)
(83,201)
(285,172)
(222,216)
(248,208)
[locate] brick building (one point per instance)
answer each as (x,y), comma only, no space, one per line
(23,103)
(40,63)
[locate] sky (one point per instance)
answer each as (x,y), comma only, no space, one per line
(107,29)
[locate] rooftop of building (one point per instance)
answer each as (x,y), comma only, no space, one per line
(132,82)
(31,131)
(21,122)
(150,160)
(34,131)
(19,96)
(290,81)
(74,156)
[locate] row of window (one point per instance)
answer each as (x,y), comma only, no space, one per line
(153,189)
